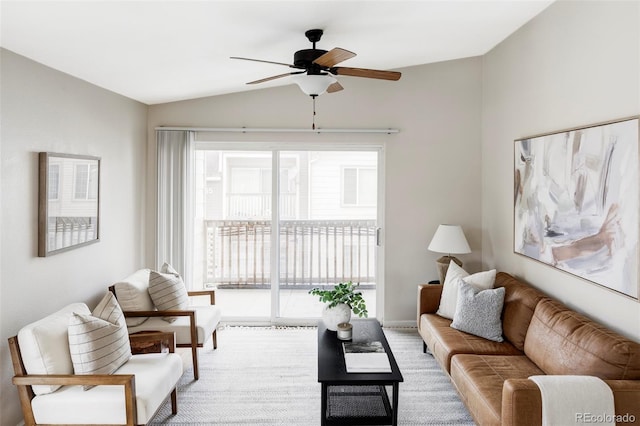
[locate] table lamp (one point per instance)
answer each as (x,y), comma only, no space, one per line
(448,239)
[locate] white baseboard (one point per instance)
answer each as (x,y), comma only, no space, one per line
(400,324)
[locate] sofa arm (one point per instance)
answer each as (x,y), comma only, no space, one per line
(428,299)
(626,396)
(522,402)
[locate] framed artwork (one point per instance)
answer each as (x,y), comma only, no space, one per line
(576,202)
(68,202)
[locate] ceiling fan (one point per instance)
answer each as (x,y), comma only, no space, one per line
(318,68)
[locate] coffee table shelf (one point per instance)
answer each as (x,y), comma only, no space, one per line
(358,405)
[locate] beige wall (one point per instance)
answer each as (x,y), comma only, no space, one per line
(432,171)
(45,110)
(576,63)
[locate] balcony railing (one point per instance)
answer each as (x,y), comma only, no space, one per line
(312,253)
(65,231)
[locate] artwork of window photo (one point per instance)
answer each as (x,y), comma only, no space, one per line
(68,210)
(576,202)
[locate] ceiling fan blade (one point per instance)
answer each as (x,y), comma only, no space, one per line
(266,62)
(335,87)
(262,80)
(334,56)
(363,72)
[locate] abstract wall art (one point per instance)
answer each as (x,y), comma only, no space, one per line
(576,202)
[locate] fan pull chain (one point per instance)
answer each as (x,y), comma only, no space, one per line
(313,123)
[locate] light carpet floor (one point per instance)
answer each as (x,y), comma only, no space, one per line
(268,376)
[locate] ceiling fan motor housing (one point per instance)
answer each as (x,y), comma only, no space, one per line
(304,59)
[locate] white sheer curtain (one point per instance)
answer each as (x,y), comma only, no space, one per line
(175,161)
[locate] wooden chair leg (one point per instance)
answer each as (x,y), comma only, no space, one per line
(194,356)
(174,401)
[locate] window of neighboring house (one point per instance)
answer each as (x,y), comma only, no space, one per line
(244,181)
(86,182)
(359,186)
(54,181)
(257,181)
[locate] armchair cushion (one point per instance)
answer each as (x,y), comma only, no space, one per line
(155,375)
(99,343)
(207,318)
(133,295)
(45,345)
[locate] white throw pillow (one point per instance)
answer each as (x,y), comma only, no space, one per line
(449,298)
(99,343)
(167,290)
(478,311)
(133,295)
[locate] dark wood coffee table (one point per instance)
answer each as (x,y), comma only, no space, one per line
(355,398)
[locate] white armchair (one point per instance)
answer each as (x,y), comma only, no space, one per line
(50,392)
(193,326)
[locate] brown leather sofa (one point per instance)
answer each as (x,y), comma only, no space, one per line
(542,336)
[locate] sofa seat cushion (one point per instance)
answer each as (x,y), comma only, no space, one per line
(155,377)
(207,319)
(479,380)
(445,342)
(561,341)
(44,345)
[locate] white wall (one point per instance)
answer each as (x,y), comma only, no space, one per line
(45,110)
(432,172)
(575,64)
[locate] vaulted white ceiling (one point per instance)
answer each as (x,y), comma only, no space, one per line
(162,51)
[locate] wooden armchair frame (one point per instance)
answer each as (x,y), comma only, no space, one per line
(24,381)
(194,345)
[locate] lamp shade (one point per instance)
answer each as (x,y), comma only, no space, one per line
(314,85)
(449,239)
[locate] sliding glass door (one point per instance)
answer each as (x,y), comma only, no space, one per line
(328,226)
(271,224)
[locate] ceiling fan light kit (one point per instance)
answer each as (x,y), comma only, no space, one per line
(314,85)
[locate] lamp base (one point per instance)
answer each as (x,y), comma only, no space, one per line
(443,264)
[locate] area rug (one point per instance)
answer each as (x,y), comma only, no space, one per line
(268,376)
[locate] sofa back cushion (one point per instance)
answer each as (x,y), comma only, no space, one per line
(44,345)
(561,341)
(133,295)
(520,301)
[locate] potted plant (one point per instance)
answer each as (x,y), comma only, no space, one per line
(340,301)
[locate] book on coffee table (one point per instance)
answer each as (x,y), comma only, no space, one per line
(366,357)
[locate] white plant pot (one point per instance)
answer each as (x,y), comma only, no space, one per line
(334,316)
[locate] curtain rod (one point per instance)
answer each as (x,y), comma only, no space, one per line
(276,130)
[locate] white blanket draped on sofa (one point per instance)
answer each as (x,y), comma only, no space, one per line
(575,400)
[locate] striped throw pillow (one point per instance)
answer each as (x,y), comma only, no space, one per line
(167,290)
(99,343)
